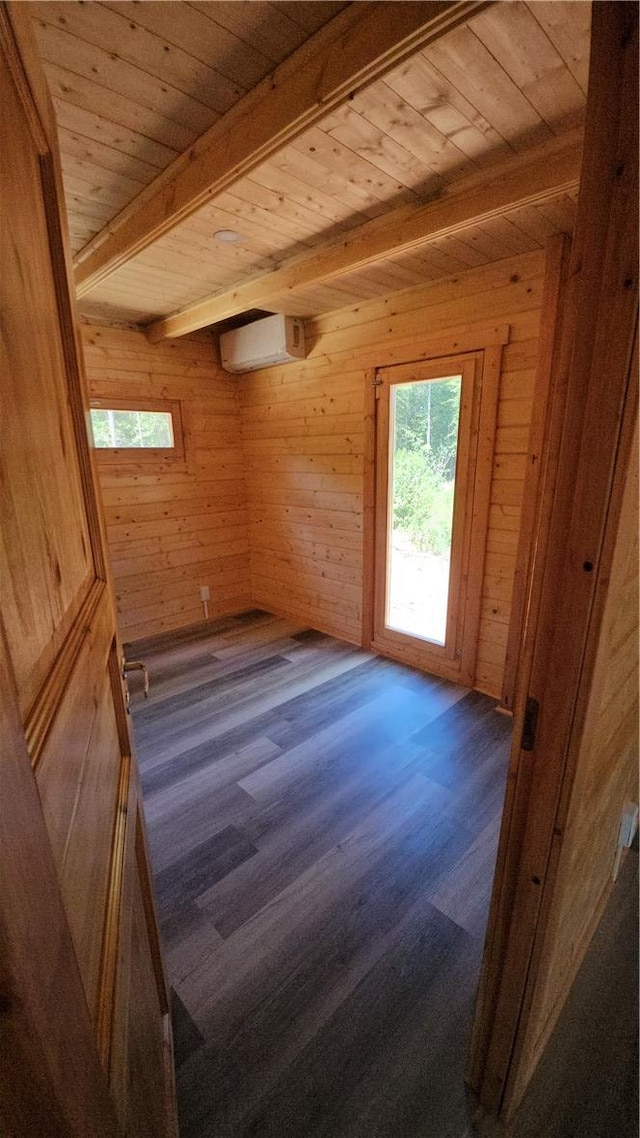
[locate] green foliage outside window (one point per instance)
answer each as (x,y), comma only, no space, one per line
(426,440)
(128,429)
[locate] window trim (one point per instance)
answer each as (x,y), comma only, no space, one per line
(128,455)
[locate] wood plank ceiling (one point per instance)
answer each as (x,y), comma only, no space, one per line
(134,84)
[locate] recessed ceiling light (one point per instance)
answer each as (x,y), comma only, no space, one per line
(227,235)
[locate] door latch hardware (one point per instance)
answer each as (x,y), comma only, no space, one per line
(531,712)
(137,666)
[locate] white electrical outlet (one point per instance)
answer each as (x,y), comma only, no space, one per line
(205,593)
(626,833)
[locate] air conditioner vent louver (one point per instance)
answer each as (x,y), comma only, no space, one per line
(274,340)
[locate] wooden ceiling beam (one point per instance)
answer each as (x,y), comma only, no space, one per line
(539,175)
(361,44)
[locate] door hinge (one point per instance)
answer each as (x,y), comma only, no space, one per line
(377,382)
(531,711)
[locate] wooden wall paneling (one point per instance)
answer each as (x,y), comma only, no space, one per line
(306,500)
(463,283)
(172,527)
(292,459)
(546,412)
(597,342)
(521,296)
(304,454)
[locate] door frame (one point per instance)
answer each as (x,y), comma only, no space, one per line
(455,655)
(596,364)
(485,346)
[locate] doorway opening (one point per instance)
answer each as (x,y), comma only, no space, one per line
(424,418)
(433,435)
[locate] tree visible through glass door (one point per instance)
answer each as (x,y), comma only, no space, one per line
(424,423)
(434,419)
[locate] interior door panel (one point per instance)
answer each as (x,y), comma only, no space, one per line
(84,1018)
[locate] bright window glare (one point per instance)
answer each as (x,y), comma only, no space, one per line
(423,449)
(114,429)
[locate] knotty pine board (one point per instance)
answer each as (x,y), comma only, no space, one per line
(146,80)
(146,84)
(304,439)
(172,528)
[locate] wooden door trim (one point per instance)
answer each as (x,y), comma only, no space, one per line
(489,352)
(368,507)
(479,337)
(143,862)
(571,574)
(482,481)
(548,411)
(116,930)
(42,712)
(447,658)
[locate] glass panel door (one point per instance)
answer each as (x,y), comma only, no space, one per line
(429,528)
(424,420)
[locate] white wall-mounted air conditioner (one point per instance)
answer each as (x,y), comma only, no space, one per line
(274,340)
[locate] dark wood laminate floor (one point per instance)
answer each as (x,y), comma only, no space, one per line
(586,1084)
(323,826)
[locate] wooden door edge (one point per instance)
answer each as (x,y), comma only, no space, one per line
(368,508)
(553,299)
(517,1081)
(603,327)
(482,476)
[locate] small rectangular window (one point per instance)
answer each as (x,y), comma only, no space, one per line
(115,428)
(128,430)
